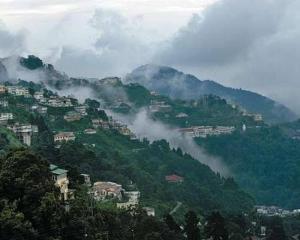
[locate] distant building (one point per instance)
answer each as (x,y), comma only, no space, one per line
(90,131)
(18,91)
(87,179)
(182,115)
(60,177)
(149,211)
(72,116)
(24,132)
(81,110)
(64,136)
(99,123)
(204,131)
(56,101)
(4,117)
(39,96)
(3,103)
(3,89)
(174,178)
(107,190)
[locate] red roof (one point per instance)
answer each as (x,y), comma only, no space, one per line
(174,178)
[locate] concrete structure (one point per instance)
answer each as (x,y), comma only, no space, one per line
(159,106)
(24,132)
(61,180)
(107,190)
(64,136)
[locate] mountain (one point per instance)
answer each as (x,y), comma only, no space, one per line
(168,81)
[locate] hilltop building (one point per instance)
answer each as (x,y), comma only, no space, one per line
(182,115)
(204,131)
(90,131)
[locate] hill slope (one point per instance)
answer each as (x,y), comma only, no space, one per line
(170,82)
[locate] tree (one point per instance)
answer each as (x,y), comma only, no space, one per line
(215,227)
(169,220)
(13,224)
(191,227)
(277,230)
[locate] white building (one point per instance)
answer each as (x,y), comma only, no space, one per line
(61,180)
(64,136)
(18,91)
(4,117)
(3,103)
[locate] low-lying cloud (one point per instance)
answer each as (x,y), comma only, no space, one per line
(145,127)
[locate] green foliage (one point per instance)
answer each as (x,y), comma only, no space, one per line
(264,161)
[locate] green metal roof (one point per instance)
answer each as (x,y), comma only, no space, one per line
(56,170)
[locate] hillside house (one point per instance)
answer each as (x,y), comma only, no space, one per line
(24,132)
(3,103)
(18,91)
(204,131)
(56,101)
(159,106)
(90,131)
(42,110)
(4,117)
(39,96)
(3,89)
(182,115)
(72,116)
(99,123)
(107,190)
(64,136)
(81,110)
(61,180)
(174,178)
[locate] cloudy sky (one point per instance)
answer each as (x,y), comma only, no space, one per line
(252,44)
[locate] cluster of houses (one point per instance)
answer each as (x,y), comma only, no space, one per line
(276,211)
(100,191)
(204,131)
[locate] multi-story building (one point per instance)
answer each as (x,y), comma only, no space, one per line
(24,132)
(3,89)
(60,177)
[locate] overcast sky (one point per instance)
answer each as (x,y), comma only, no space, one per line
(252,44)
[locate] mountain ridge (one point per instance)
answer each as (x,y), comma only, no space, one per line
(176,84)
